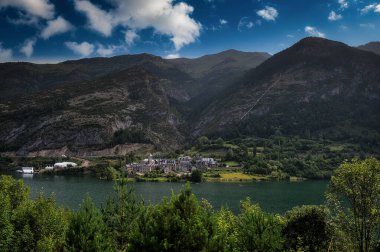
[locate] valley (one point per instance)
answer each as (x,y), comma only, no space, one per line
(300,112)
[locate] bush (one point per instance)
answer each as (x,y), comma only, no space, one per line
(307,229)
(196,176)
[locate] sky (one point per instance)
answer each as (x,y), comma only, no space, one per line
(49,31)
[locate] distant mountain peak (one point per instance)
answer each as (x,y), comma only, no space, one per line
(319,43)
(371,47)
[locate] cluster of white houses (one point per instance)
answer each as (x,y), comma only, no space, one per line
(56,166)
(61,165)
(182,164)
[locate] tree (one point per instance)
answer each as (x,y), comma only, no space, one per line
(230,155)
(196,176)
(257,230)
(202,142)
(6,227)
(354,197)
(15,189)
(25,224)
(219,142)
(307,228)
(29,225)
(87,231)
(226,231)
(39,224)
(130,158)
(178,224)
(121,212)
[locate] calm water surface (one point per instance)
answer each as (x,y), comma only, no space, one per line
(272,196)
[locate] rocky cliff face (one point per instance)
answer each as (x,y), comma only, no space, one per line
(91,105)
(132,106)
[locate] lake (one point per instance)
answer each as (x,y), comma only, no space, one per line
(276,197)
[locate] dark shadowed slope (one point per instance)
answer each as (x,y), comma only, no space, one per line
(316,87)
(202,66)
(24,78)
(214,73)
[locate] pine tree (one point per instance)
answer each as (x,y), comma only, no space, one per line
(87,231)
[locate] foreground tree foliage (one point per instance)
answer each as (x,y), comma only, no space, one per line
(121,213)
(307,228)
(184,223)
(29,225)
(39,225)
(257,230)
(180,223)
(354,197)
(87,230)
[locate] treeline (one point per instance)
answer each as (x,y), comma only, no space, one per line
(280,156)
(350,221)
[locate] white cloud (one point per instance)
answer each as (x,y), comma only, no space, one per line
(312,31)
(23,19)
(375,7)
(56,26)
(105,51)
(83,49)
(98,19)
(343,28)
(5,54)
(28,47)
(269,13)
(333,16)
(40,8)
(290,36)
(109,50)
(368,26)
(245,23)
(223,21)
(343,4)
(130,37)
(173,56)
(164,16)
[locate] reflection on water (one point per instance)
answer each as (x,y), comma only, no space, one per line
(26,176)
(272,196)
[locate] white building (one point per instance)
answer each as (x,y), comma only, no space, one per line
(184,164)
(27,170)
(65,165)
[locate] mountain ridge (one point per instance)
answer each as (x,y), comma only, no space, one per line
(74,92)
(315,88)
(304,71)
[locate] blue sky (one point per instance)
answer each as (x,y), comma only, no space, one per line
(56,30)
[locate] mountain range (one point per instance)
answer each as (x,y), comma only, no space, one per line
(316,88)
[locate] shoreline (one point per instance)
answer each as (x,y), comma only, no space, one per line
(85,172)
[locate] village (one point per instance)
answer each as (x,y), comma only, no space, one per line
(183,164)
